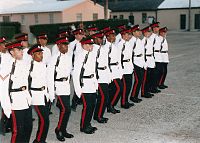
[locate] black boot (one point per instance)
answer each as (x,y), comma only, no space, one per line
(59,135)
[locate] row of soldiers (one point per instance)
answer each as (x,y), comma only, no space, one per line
(101,66)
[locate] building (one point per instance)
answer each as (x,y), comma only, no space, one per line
(175,14)
(171,13)
(33,12)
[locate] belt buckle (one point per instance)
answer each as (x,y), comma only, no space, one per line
(23,88)
(43,88)
(128,60)
(117,63)
(104,67)
(64,79)
(92,75)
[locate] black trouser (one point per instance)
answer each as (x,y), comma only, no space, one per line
(163,73)
(63,103)
(115,92)
(89,101)
(144,81)
(22,125)
(138,76)
(102,100)
(150,79)
(158,73)
(1,121)
(43,122)
(127,84)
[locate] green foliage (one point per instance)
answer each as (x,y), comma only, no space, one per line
(52,29)
(8,29)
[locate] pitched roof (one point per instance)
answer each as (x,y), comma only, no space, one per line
(134,5)
(169,4)
(41,6)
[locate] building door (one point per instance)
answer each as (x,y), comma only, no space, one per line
(183,21)
(197,21)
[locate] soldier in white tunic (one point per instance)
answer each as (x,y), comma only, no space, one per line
(58,71)
(38,90)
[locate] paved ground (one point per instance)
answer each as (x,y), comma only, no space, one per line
(172,116)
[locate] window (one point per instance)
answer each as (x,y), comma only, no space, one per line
(144,17)
(79,17)
(22,19)
(121,17)
(114,16)
(51,18)
(197,21)
(6,18)
(95,16)
(36,18)
(131,19)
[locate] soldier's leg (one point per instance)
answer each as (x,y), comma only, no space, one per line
(28,124)
(43,122)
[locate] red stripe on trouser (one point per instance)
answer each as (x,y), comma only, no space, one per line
(42,123)
(83,112)
(14,130)
(102,102)
(61,114)
(135,84)
(116,93)
(124,91)
(144,81)
(161,79)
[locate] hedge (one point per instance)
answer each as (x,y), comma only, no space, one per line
(9,29)
(52,29)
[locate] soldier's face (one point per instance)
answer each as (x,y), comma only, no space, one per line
(126,36)
(43,42)
(17,53)
(2,48)
(156,29)
(111,38)
(137,33)
(25,43)
(88,47)
(79,37)
(38,56)
(99,41)
(63,48)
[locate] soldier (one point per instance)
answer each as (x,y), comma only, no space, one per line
(127,67)
(114,64)
(163,45)
(16,87)
(59,70)
(119,36)
(148,79)
(38,89)
(138,61)
(85,83)
(103,77)
(61,33)
(74,49)
(5,123)
(42,40)
(155,28)
(92,30)
(23,37)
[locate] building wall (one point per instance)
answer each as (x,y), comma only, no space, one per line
(30,19)
(86,8)
(171,18)
(137,16)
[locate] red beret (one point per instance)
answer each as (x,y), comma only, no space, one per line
(34,48)
(2,39)
(62,40)
(125,31)
(97,35)
(42,36)
(105,29)
(164,29)
(156,24)
(62,33)
(135,28)
(87,40)
(14,44)
(92,29)
(78,31)
(121,27)
(146,29)
(21,37)
(110,32)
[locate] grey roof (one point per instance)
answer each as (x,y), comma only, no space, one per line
(134,5)
(41,6)
(169,4)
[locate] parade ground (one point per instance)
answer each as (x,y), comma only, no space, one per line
(172,116)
